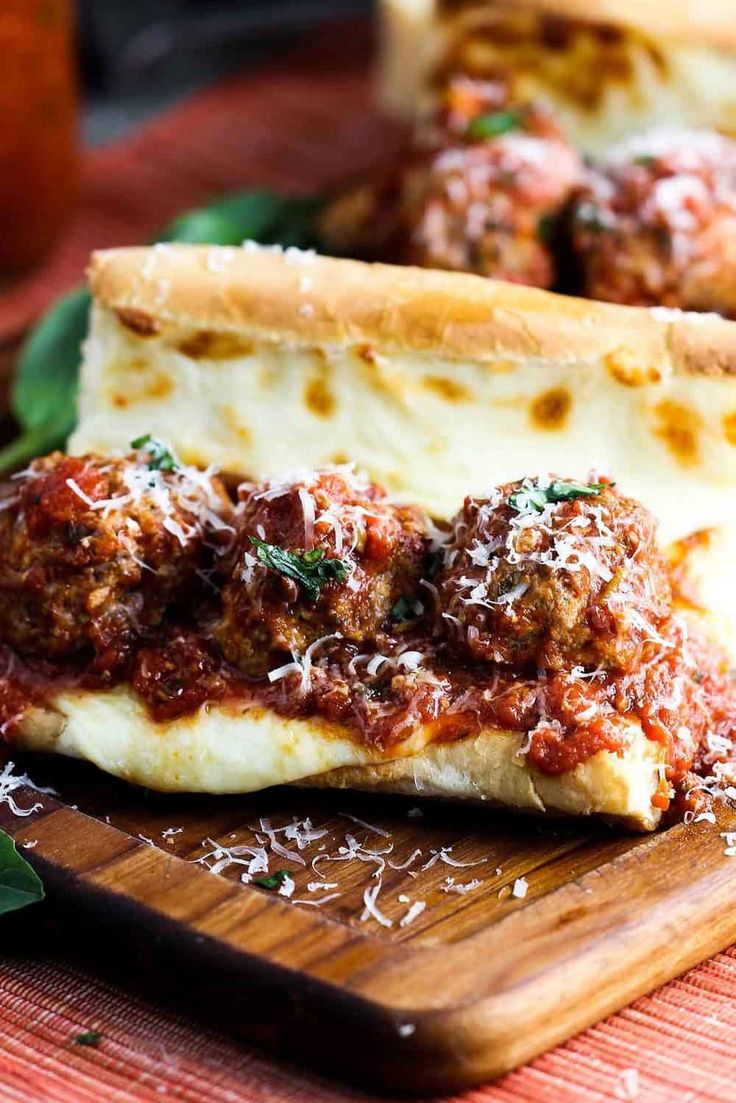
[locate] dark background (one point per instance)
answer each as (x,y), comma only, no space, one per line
(137,55)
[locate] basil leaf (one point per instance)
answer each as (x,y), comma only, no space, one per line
(20,885)
(537,497)
(252,215)
(43,398)
(160,458)
(309,569)
(273,881)
(494,124)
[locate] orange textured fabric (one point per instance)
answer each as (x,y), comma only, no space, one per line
(299,127)
(676,1046)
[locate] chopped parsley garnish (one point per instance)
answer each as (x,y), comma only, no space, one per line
(537,497)
(494,124)
(646,160)
(273,881)
(159,455)
(309,569)
(406,608)
(88,1038)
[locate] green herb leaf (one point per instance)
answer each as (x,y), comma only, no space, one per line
(310,569)
(494,124)
(273,881)
(646,160)
(20,885)
(406,608)
(88,1038)
(43,398)
(251,215)
(160,458)
(537,497)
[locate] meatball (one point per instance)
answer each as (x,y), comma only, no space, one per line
(317,554)
(554,573)
(656,224)
(480,189)
(93,550)
(487,197)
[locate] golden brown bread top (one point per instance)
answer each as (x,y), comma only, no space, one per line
(291,296)
(710,22)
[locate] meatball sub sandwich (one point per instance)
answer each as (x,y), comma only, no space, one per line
(507,623)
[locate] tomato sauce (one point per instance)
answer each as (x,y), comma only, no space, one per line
(381,668)
(681,693)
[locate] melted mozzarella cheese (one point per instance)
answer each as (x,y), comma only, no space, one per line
(221,749)
(215,750)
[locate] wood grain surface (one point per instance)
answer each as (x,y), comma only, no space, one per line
(474,986)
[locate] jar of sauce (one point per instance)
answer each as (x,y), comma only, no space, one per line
(38,146)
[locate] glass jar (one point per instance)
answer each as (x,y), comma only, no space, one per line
(38,146)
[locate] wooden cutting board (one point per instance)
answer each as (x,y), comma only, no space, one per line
(477,983)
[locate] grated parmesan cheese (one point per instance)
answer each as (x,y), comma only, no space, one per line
(520,889)
(461,889)
(9,782)
(371,909)
(412,913)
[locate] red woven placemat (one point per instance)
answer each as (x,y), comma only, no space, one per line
(299,126)
(673,1047)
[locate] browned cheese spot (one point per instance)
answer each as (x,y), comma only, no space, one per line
(207,344)
(683,555)
(549,410)
(318,396)
(230,417)
(449,389)
(678,427)
(626,368)
(729,427)
(144,325)
(157,386)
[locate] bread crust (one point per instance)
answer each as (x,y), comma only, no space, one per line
(710,22)
(291,296)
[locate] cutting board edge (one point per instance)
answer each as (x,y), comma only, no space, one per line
(415,1049)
